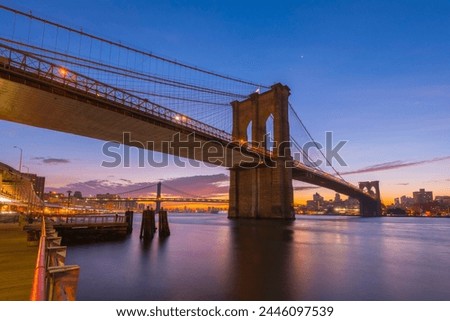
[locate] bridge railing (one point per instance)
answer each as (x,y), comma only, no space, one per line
(329,177)
(53,280)
(38,290)
(24,61)
(89,219)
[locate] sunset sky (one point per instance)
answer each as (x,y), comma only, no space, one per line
(375,73)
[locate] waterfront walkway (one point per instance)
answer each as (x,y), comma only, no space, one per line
(17,262)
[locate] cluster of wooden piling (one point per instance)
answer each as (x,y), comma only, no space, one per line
(148,224)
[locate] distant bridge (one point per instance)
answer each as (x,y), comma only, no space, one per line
(162,199)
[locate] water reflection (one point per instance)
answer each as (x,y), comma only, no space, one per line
(209,257)
(261,258)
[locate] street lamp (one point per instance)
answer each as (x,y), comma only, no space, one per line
(20,162)
(68,200)
(29,192)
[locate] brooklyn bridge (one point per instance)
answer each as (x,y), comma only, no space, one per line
(56,77)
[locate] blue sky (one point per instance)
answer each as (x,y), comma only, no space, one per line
(376,73)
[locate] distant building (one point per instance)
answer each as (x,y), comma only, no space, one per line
(316,204)
(422,196)
(38,184)
(406,201)
(54,197)
(443,200)
(108,196)
(317,198)
(352,202)
(312,206)
(78,195)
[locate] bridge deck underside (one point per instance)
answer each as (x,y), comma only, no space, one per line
(67,112)
(323,181)
(38,103)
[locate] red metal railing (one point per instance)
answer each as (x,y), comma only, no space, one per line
(42,69)
(38,291)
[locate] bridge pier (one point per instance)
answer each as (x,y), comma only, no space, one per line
(263,189)
(370,207)
(261,193)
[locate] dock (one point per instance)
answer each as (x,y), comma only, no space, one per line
(88,228)
(17,263)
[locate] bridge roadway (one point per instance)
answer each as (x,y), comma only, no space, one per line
(37,93)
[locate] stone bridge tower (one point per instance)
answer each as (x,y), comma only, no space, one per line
(263,190)
(370,207)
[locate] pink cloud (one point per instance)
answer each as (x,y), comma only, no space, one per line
(394,165)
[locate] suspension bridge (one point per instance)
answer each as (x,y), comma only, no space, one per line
(60,78)
(158,198)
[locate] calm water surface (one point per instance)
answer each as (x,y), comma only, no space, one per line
(209,257)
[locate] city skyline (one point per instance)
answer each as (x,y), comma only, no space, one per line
(386,92)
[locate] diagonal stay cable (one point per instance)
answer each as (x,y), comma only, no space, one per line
(182,192)
(120,45)
(94,65)
(315,143)
(137,189)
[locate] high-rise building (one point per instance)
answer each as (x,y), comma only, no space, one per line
(444,200)
(337,198)
(406,201)
(422,196)
(317,198)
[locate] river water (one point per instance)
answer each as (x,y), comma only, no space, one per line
(208,257)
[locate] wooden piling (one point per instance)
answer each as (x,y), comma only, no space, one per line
(148,225)
(164,229)
(129,221)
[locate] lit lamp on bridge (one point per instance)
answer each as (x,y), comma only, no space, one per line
(63,72)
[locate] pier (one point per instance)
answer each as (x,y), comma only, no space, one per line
(17,262)
(86,228)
